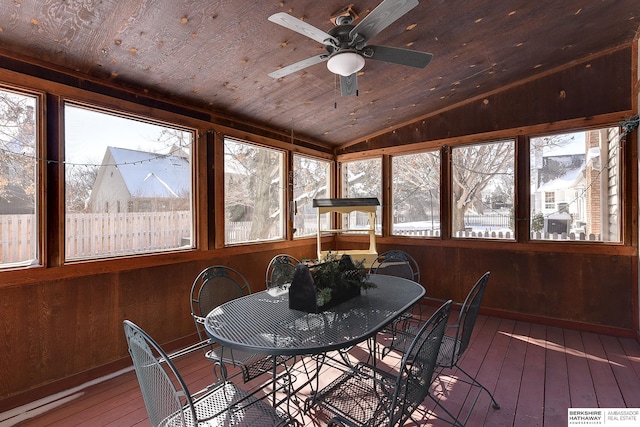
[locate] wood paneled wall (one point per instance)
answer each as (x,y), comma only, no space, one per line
(581,290)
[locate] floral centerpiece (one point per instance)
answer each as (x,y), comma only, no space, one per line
(319,286)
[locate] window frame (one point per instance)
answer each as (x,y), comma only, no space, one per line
(622,185)
(329,193)
(221,224)
(40,207)
(379,211)
(166,120)
(429,234)
(508,237)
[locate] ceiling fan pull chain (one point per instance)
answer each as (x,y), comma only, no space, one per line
(335,91)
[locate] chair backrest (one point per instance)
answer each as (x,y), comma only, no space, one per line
(417,367)
(215,285)
(280,270)
(164,391)
(396,263)
(468,315)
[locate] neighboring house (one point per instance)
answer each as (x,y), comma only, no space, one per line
(138,181)
(571,190)
(559,186)
(562,200)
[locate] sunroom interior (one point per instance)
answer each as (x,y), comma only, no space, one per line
(144,142)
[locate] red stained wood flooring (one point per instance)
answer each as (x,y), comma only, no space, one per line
(535,372)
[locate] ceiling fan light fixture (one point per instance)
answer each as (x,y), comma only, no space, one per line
(345,63)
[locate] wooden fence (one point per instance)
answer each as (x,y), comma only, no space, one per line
(104,235)
(98,235)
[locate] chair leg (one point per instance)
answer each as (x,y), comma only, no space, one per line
(452,419)
(475,382)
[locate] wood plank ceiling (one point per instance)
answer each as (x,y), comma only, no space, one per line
(217,54)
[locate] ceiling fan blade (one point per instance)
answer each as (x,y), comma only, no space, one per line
(285,71)
(349,85)
(397,55)
(303,28)
(380,18)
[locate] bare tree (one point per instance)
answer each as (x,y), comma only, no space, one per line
(17,144)
(416,185)
(253,187)
(78,185)
(474,167)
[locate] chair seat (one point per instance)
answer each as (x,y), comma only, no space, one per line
(227,405)
(362,396)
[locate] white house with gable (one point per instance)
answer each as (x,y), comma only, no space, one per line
(139,181)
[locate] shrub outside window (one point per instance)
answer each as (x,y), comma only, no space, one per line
(362,178)
(416,194)
(575,186)
(483,190)
(19,241)
(253,192)
(311,180)
(127,185)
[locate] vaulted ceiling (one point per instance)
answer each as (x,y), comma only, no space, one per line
(217,54)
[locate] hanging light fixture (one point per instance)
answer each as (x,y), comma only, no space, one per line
(345,63)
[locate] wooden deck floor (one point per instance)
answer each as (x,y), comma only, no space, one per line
(535,372)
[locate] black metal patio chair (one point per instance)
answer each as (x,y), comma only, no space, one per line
(455,341)
(400,264)
(369,396)
(396,263)
(170,403)
(280,270)
(216,285)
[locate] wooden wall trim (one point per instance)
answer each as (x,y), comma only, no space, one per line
(35,275)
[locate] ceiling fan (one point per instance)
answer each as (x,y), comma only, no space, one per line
(347,46)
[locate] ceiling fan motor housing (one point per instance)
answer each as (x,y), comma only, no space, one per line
(341,33)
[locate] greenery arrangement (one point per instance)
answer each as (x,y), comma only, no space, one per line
(338,278)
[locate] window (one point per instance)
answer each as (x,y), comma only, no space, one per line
(416,194)
(483,190)
(362,178)
(127,185)
(311,180)
(575,186)
(549,200)
(19,241)
(253,192)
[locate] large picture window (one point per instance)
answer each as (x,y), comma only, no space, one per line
(416,194)
(127,185)
(362,178)
(253,192)
(483,190)
(575,186)
(19,241)
(311,180)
